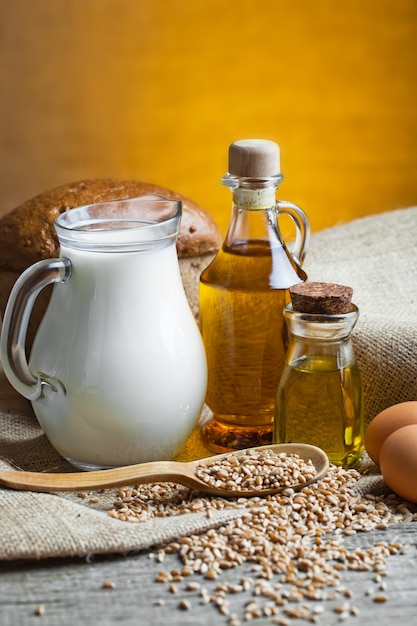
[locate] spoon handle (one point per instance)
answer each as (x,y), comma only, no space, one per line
(157,471)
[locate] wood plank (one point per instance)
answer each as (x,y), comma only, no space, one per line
(72,592)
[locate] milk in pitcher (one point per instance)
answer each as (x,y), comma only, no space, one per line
(120,354)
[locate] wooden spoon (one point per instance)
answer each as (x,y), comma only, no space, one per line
(158,471)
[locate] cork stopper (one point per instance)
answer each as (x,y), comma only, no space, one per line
(322,298)
(254,158)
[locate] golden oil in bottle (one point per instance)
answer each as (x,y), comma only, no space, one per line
(321,404)
(243,332)
(242,295)
(319,399)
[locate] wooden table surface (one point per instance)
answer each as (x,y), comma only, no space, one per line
(72,591)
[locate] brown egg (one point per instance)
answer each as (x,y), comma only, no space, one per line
(398,462)
(385,423)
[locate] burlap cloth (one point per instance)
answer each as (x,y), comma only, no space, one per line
(376,255)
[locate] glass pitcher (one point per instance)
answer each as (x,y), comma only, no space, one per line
(117,373)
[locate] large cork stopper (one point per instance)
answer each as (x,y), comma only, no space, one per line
(322,298)
(254,158)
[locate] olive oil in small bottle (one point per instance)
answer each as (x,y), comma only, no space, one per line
(319,399)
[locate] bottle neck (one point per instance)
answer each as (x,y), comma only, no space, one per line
(254,199)
(321,327)
(320,342)
(254,215)
(253,193)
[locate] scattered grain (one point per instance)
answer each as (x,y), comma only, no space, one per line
(184,605)
(163,577)
(108,584)
(205,596)
(193,586)
(186,571)
(233,620)
(293,543)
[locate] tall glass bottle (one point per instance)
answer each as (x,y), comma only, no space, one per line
(242,295)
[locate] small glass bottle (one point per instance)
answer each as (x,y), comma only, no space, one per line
(319,399)
(242,295)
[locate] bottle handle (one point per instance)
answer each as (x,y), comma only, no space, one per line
(16,319)
(302,228)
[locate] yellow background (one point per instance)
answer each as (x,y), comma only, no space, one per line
(157,90)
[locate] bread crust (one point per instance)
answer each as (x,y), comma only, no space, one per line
(27,233)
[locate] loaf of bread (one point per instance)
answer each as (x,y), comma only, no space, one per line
(27,233)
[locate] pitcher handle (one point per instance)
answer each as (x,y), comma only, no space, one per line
(16,319)
(302,228)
